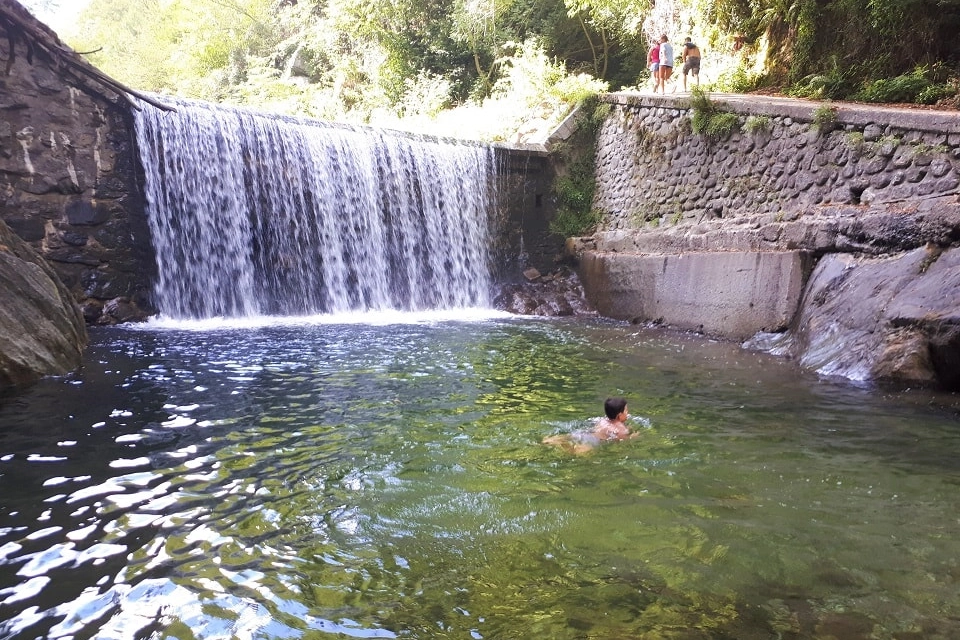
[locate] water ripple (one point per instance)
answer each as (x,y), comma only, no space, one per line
(391,483)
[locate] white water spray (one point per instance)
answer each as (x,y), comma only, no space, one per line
(255,214)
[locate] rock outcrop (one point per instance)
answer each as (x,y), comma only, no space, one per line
(893,319)
(42,332)
(558,293)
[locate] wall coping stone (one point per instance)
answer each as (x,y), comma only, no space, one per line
(847,113)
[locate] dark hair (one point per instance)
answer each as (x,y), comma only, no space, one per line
(614,407)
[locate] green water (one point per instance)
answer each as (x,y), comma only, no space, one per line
(315,481)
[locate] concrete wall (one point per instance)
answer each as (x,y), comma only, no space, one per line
(731,294)
(525,208)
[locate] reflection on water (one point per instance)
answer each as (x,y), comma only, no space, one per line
(387,481)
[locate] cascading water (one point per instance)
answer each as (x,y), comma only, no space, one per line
(257,214)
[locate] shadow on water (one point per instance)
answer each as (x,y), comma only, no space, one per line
(383,481)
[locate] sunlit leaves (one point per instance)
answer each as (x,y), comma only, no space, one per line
(178,46)
(624,18)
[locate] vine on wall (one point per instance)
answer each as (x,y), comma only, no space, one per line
(576,173)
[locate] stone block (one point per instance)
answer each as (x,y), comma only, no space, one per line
(83,212)
(29,229)
(729,294)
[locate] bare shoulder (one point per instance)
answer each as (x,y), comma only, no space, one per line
(607,429)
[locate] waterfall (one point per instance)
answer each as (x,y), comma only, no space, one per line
(257,214)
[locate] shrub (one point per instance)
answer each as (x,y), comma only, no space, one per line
(574,193)
(935,93)
(756,124)
(739,80)
(824,118)
(570,224)
(833,84)
(918,86)
(708,118)
(722,124)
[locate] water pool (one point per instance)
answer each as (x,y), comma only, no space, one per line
(381,481)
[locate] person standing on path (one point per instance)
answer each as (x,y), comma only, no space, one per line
(666,62)
(653,62)
(691,62)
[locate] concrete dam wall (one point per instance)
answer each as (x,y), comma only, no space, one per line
(822,232)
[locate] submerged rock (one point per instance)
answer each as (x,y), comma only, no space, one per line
(42,332)
(555,294)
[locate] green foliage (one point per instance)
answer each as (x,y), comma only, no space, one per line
(829,50)
(177,46)
(722,124)
(855,139)
(576,182)
(824,118)
(904,88)
(377,60)
(756,124)
(570,223)
(918,86)
(805,29)
(605,21)
(937,92)
(833,84)
(593,113)
(478,25)
(709,119)
(574,196)
(739,80)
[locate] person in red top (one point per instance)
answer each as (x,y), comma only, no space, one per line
(653,61)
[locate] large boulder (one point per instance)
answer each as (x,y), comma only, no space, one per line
(891,319)
(42,331)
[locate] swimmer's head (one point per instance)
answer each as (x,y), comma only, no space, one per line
(614,407)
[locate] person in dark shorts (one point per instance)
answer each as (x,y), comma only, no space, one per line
(653,60)
(666,62)
(691,62)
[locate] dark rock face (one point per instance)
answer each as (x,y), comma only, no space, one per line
(555,294)
(42,331)
(894,319)
(525,206)
(68,176)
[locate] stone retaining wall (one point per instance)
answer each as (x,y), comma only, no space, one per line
(68,182)
(653,170)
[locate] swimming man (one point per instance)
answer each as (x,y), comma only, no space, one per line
(610,428)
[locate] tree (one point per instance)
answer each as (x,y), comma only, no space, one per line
(161,46)
(606,21)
